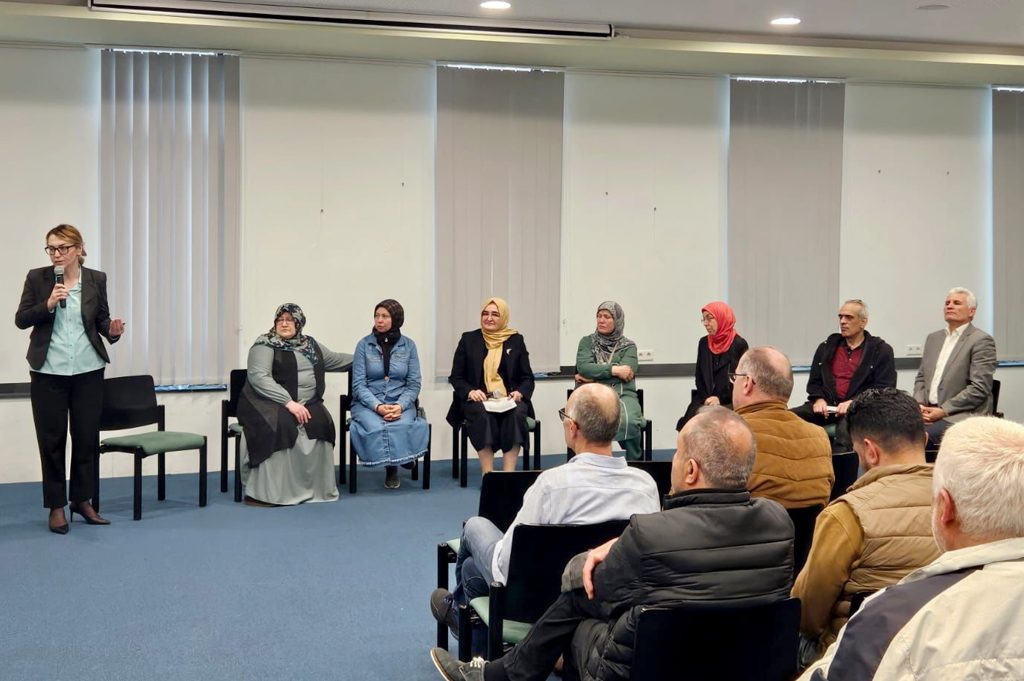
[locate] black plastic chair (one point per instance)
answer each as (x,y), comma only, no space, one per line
(349,456)
(803,532)
(857,600)
(539,555)
(844,467)
(646,436)
(661,471)
(232,430)
(709,642)
(996,387)
(130,402)
(501,497)
(460,450)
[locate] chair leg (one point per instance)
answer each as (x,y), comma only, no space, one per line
(137,491)
(202,474)
(161,476)
(464,458)
(495,625)
(648,447)
(223,448)
(455,452)
(442,583)
(465,633)
(426,457)
(415,469)
(525,451)
(353,455)
(238,469)
(536,447)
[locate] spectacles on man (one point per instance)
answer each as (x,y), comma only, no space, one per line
(733,377)
(63,250)
(563,416)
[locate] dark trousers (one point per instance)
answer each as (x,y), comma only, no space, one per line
(841,442)
(570,626)
(54,399)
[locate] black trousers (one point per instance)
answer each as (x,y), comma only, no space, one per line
(498,431)
(571,626)
(54,400)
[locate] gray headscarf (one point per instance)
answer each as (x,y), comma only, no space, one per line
(606,346)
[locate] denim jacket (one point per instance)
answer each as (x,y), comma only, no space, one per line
(369,386)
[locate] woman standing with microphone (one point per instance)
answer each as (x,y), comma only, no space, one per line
(66,306)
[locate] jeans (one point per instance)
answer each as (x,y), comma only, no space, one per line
(473,574)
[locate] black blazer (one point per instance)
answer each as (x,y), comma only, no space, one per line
(712,371)
(32,312)
(468,370)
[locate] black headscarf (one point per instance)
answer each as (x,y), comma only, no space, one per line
(386,341)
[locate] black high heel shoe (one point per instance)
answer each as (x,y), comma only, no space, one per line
(94,519)
(58,529)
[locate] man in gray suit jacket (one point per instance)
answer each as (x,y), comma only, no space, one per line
(955,378)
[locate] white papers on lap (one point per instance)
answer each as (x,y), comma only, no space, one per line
(499,405)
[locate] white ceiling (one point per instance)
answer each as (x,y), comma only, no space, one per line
(983,22)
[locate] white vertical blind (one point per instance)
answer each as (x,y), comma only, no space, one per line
(1008,221)
(499,198)
(169,159)
(785,189)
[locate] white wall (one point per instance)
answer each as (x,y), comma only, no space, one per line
(916,217)
(338,213)
(644,179)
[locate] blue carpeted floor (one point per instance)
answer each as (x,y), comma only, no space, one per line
(318,591)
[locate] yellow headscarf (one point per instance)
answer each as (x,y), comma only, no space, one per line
(494,340)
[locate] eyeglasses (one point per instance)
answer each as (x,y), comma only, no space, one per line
(565,417)
(733,377)
(485,313)
(707,320)
(63,250)
(284,321)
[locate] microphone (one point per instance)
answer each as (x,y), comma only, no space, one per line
(58,273)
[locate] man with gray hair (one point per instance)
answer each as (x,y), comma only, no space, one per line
(794,458)
(958,617)
(955,378)
(845,365)
(710,531)
(591,488)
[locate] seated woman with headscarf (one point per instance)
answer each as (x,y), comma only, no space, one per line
(491,365)
(385,384)
(718,353)
(608,357)
(288,441)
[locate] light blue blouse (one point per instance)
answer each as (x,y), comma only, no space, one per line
(70,352)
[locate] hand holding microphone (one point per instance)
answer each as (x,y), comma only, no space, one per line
(59,294)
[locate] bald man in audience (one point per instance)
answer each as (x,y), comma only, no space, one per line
(960,616)
(794,457)
(880,530)
(713,543)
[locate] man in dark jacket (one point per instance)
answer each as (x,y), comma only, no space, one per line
(844,366)
(660,559)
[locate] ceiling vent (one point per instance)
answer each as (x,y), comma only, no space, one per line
(355,18)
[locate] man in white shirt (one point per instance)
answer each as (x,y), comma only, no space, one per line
(593,487)
(955,378)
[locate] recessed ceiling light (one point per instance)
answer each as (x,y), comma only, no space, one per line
(785,21)
(935,6)
(495,4)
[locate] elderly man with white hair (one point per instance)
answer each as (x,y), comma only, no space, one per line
(955,378)
(959,617)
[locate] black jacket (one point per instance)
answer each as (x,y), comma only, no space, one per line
(32,312)
(706,546)
(468,370)
(877,369)
(712,371)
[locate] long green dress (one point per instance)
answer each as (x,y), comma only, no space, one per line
(631,420)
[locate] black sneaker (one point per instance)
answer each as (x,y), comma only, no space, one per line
(442,607)
(453,670)
(392,481)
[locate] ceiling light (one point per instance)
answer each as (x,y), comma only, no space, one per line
(785,21)
(935,6)
(495,4)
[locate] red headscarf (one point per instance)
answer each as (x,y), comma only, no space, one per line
(723,338)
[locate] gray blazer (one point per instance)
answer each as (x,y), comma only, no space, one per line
(966,386)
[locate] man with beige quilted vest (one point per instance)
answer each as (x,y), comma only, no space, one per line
(794,457)
(880,530)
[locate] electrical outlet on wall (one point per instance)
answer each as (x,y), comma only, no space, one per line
(645,355)
(914,351)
